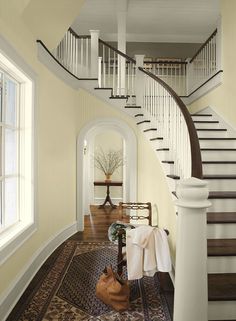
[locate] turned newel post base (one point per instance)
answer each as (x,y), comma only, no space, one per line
(191,295)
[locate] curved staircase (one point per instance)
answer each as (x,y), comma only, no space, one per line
(218,153)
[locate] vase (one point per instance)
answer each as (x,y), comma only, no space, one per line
(108,178)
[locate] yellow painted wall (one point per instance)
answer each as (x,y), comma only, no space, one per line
(223,98)
(61,113)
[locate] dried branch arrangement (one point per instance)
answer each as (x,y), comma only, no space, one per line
(108,161)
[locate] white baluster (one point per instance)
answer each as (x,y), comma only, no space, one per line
(104,66)
(139,80)
(99,72)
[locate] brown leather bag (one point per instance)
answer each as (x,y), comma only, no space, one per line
(112,290)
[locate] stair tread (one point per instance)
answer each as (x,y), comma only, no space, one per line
(219,176)
(221,217)
(218,194)
(224,194)
(201,115)
(173,176)
(149,129)
(143,122)
(206,121)
(104,88)
(168,162)
(132,106)
(219,162)
(160,149)
(222,287)
(212,129)
(217,138)
(156,138)
(221,247)
(218,149)
(138,115)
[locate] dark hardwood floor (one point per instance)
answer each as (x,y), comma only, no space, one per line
(95,230)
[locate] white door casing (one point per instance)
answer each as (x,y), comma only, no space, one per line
(85,170)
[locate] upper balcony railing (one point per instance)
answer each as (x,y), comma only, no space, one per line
(116,70)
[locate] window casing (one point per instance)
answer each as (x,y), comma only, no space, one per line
(9,168)
(17,214)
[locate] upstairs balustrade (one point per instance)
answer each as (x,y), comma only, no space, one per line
(116,70)
(74,53)
(153,83)
(204,64)
(89,56)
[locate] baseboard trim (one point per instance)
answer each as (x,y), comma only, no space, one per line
(10,297)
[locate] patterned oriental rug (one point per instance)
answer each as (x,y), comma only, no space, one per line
(67,292)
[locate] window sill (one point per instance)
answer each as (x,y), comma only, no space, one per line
(14,237)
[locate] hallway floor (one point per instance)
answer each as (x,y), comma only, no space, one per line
(96,227)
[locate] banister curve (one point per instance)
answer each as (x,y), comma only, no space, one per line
(118,51)
(194,142)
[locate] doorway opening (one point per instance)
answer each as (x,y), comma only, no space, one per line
(92,136)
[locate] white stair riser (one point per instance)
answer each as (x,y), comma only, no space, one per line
(163,155)
(224,231)
(217,143)
(218,155)
(206,125)
(172,183)
(221,184)
(211,134)
(168,168)
(220,169)
(155,143)
(222,205)
(221,264)
(221,310)
(206,118)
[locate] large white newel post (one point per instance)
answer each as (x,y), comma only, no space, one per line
(94,52)
(191,294)
(139,83)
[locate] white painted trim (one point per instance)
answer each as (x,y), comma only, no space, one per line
(130,173)
(23,230)
(205,89)
(10,297)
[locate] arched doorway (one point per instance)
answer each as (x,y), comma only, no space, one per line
(85,172)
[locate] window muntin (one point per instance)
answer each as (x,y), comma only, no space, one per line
(9,145)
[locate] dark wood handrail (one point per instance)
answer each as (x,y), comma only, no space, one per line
(117,51)
(205,82)
(78,36)
(194,142)
(59,63)
(105,44)
(203,45)
(166,62)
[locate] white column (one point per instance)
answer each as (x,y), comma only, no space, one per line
(94,53)
(121,21)
(139,84)
(191,294)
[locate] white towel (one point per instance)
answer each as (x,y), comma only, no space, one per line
(147,252)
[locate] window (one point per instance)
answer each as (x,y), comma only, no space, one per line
(17,220)
(9,169)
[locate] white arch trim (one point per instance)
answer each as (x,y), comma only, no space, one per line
(130,149)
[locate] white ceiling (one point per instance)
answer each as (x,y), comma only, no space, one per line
(151,20)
